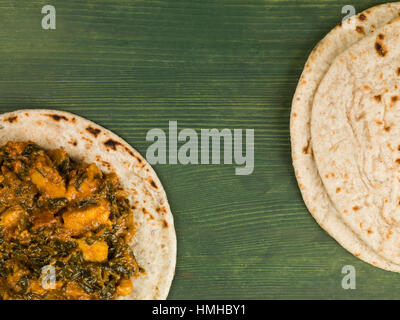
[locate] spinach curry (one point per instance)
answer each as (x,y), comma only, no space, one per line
(66,216)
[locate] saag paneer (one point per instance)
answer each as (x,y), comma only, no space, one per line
(66,216)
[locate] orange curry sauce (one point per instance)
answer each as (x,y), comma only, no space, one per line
(65,216)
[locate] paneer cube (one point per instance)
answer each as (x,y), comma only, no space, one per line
(81,220)
(125,287)
(47,187)
(96,252)
(11,217)
(87,186)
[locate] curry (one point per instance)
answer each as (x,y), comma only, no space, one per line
(65,216)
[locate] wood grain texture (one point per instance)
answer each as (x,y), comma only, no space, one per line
(133,65)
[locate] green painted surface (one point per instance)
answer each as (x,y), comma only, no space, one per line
(133,65)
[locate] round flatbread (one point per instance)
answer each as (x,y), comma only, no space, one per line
(356,138)
(312,188)
(154,244)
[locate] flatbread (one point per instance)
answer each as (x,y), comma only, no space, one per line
(154,244)
(356,138)
(312,188)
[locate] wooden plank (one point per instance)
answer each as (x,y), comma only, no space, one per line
(133,65)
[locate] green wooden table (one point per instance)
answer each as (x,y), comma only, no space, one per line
(133,65)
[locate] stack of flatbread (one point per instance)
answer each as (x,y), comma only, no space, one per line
(345,133)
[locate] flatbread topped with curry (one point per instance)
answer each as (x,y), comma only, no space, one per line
(80,217)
